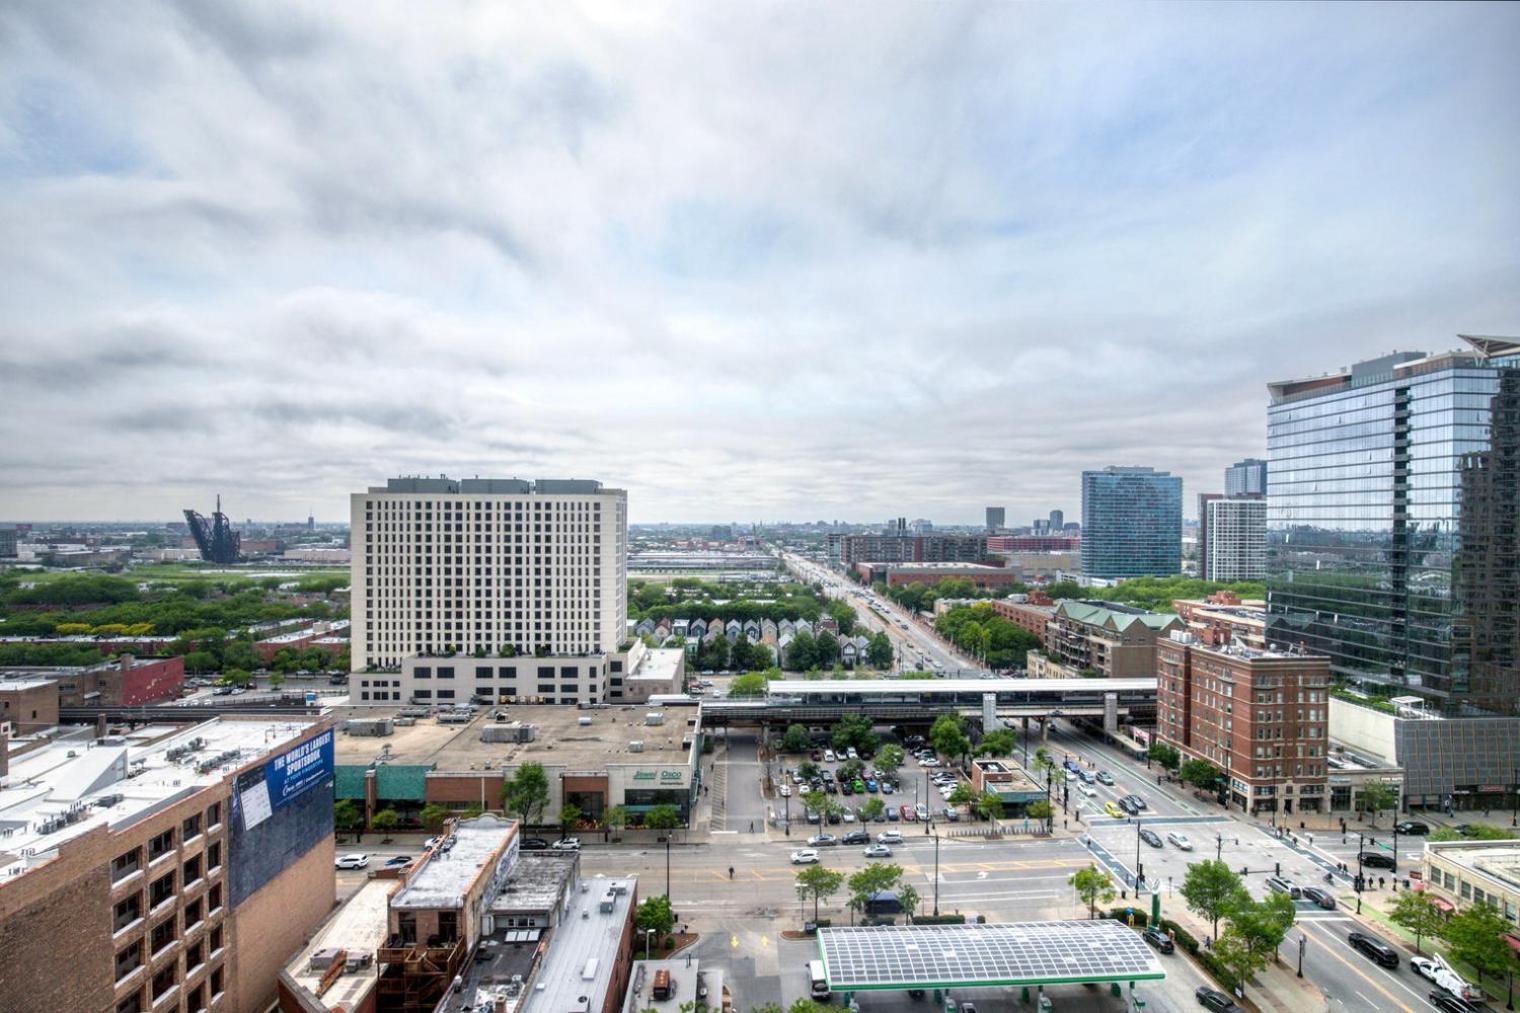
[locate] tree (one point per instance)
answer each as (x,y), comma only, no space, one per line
(962,794)
(948,736)
(801,653)
(239,654)
(907,896)
(1238,956)
(433,817)
(386,821)
(871,880)
(197,662)
(889,758)
(1415,911)
(1092,885)
(1040,809)
(1476,936)
(277,680)
(569,818)
(1376,796)
(854,730)
(819,883)
(663,817)
(808,1006)
(1209,889)
(1165,755)
(1001,742)
(1261,924)
(615,818)
(879,652)
(347,818)
(471,811)
(796,739)
(236,677)
(526,793)
(749,685)
(989,805)
(873,808)
(825,649)
(807,770)
(1200,773)
(655,913)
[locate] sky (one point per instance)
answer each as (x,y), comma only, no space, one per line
(749,261)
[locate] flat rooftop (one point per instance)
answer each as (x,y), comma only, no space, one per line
(75,783)
(692,983)
(659,664)
(445,873)
(561,739)
(943,567)
(947,687)
(535,883)
(1498,860)
(359,926)
(583,950)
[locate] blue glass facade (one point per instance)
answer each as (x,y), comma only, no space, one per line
(1371,557)
(1131,523)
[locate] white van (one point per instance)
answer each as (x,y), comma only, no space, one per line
(816,979)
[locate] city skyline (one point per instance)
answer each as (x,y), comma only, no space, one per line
(762,264)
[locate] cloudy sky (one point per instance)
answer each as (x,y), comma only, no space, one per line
(749,261)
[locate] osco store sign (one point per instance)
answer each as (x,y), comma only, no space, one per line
(663,776)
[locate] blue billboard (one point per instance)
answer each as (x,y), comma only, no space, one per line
(304,767)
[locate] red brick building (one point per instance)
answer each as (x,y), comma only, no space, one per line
(1259,716)
(896,574)
(1033,543)
(1025,614)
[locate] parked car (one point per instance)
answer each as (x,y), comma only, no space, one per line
(1321,898)
(786,791)
(828,756)
(1374,949)
(907,814)
(1213,999)
(851,753)
(1180,841)
(1414,828)
(811,815)
(1104,777)
(889,837)
(950,815)
(397,861)
(1448,1003)
(887,787)
(533,844)
(856,837)
(846,788)
(921,811)
(355,860)
(871,785)
(822,841)
(805,856)
(566,844)
(1152,838)
(878,851)
(1160,940)
(930,762)
(1376,860)
(891,814)
(834,817)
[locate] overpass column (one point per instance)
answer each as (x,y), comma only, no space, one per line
(1045,729)
(1110,712)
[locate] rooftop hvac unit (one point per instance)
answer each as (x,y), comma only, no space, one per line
(583,721)
(636,746)
(654,718)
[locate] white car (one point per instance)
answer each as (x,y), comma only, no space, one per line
(1087,790)
(807,856)
(567,844)
(828,756)
(921,811)
(851,753)
(1180,841)
(786,791)
(928,762)
(878,851)
(357,860)
(889,837)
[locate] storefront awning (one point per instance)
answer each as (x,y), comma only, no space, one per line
(1443,904)
(1514,943)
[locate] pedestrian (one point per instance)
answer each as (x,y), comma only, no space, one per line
(1382,883)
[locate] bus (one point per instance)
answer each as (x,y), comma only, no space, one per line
(819,983)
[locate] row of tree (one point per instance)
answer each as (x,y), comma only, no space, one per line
(980,631)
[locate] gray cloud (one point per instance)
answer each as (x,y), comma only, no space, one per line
(854,262)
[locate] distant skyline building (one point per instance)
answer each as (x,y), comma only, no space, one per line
(1232,539)
(1131,523)
(1057,520)
(1392,500)
(997,518)
(1246,478)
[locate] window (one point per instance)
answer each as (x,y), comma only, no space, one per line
(216,982)
(406,927)
(448,926)
(192,869)
(161,890)
(131,1004)
(190,828)
(164,981)
(216,942)
(161,845)
(163,935)
(213,814)
(123,866)
(214,855)
(197,997)
(195,955)
(192,913)
(127,912)
(214,898)
(128,960)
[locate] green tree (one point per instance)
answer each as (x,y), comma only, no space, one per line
(1475,936)
(873,808)
(615,818)
(948,736)
(1417,912)
(1040,809)
(663,817)
(825,649)
(1238,956)
(872,879)
(1261,924)
(433,817)
(347,818)
(239,654)
(386,821)
(1200,773)
(854,730)
(801,653)
(796,739)
(1376,796)
(819,883)
(1209,889)
(808,1006)
(1093,885)
(655,913)
(808,770)
(199,662)
(471,811)
(1001,742)
(236,677)
(907,896)
(750,685)
(989,805)
(879,652)
(276,680)
(962,794)
(1165,755)
(569,818)
(526,793)
(889,758)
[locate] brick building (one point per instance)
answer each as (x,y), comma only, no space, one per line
(1260,716)
(848,550)
(1116,641)
(1034,543)
(897,574)
(1222,618)
(29,704)
(1025,614)
(125,681)
(163,871)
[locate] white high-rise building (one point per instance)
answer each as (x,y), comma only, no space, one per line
(445,571)
(1236,536)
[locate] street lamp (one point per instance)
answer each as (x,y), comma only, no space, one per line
(1139,868)
(1218,847)
(1303,938)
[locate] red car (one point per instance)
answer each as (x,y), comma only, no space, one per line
(908,815)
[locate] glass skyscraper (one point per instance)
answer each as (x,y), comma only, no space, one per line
(1131,523)
(1246,478)
(1392,522)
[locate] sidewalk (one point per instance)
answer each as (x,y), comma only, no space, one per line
(1277,989)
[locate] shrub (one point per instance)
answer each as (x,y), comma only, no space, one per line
(1119,914)
(940,920)
(1180,935)
(1219,971)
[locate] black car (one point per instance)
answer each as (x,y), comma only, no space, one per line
(1128,806)
(1314,894)
(856,837)
(533,844)
(1136,801)
(1376,860)
(1213,999)
(1151,837)
(1374,949)
(1448,1003)
(1413,828)
(1160,940)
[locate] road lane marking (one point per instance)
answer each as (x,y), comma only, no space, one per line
(1331,951)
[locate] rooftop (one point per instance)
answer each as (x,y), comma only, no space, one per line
(359,926)
(561,739)
(492,486)
(659,664)
(76,783)
(446,873)
(580,959)
(692,983)
(1097,613)
(932,567)
(535,883)
(1498,860)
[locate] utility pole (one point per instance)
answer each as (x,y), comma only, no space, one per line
(1139,868)
(936,875)
(1218,847)
(1360,882)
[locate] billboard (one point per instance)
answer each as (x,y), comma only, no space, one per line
(284,778)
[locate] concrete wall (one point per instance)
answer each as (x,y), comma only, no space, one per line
(1363,729)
